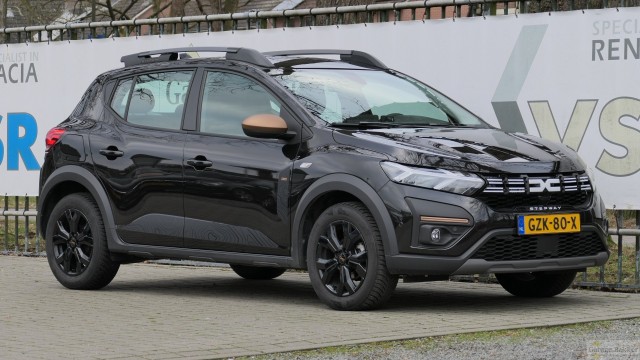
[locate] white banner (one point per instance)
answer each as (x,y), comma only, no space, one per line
(568,76)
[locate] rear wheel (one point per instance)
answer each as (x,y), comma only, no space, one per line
(77,246)
(345,258)
(537,284)
(257,273)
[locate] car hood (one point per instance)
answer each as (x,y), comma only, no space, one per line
(480,150)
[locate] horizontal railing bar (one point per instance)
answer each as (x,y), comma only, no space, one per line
(630,232)
(18,213)
(270,14)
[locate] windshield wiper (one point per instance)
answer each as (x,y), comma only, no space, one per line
(389,125)
(365,125)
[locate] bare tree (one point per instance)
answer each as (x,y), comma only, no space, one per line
(3,15)
(347,18)
(24,13)
(98,10)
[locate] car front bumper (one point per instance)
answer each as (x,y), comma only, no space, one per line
(488,242)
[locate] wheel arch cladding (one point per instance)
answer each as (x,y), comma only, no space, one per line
(68,180)
(324,193)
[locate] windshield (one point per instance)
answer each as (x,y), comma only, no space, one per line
(356,97)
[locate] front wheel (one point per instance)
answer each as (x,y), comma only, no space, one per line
(345,259)
(537,284)
(76,244)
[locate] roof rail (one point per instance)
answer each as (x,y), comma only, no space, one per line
(351,56)
(232,53)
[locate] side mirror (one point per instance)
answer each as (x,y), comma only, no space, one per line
(265,126)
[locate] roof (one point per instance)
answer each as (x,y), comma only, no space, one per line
(191,8)
(288,4)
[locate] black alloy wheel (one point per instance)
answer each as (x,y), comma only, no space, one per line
(72,242)
(346,260)
(341,257)
(76,244)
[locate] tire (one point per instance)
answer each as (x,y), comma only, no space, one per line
(257,273)
(345,259)
(537,285)
(76,244)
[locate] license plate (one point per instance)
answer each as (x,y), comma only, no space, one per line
(548,224)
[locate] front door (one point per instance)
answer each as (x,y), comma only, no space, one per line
(236,187)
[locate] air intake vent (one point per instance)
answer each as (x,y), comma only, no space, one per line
(515,247)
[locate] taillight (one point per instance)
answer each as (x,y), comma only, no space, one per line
(53,136)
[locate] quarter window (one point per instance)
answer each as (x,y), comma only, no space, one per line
(229,99)
(121,96)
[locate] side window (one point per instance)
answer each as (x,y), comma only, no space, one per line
(121,96)
(157,99)
(228,99)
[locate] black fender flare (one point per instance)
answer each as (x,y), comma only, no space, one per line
(88,180)
(358,188)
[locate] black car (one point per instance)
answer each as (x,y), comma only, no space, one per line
(321,160)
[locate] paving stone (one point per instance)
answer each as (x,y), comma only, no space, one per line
(162,312)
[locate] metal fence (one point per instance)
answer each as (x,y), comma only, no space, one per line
(18,217)
(377,12)
(20,236)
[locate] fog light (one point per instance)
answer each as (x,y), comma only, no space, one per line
(440,235)
(435,235)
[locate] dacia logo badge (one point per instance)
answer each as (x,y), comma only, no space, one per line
(540,185)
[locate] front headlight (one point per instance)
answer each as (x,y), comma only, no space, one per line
(436,179)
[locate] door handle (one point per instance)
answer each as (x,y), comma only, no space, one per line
(111,152)
(200,163)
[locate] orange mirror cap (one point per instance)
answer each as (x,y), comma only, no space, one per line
(265,124)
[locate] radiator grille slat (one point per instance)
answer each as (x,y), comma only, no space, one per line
(507,193)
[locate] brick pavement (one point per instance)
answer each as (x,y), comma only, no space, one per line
(161,312)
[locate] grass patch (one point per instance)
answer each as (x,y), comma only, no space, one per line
(379,349)
(611,267)
(627,217)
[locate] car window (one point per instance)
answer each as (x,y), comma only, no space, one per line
(121,96)
(228,99)
(157,99)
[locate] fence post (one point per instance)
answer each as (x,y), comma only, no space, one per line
(6,223)
(26,224)
(16,200)
(37,228)
(619,221)
(637,248)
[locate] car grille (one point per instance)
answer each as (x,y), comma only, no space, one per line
(514,247)
(508,193)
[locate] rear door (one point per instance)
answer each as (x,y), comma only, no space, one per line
(236,187)
(138,153)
